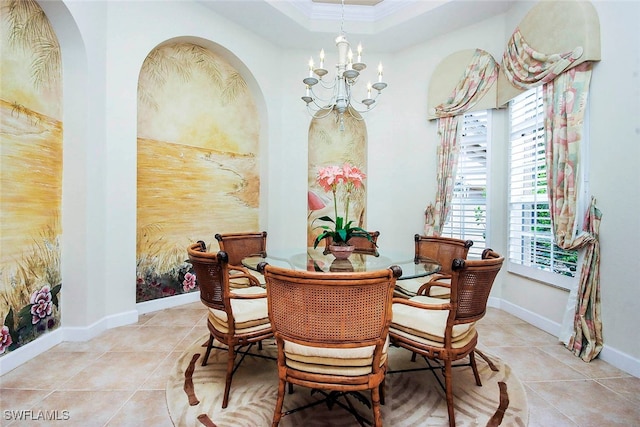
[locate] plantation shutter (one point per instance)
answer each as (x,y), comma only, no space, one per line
(530,234)
(468,216)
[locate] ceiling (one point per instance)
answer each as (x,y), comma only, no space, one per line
(385,25)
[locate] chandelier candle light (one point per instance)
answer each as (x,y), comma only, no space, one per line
(341,86)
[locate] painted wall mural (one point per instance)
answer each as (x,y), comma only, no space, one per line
(198,162)
(329,145)
(30,174)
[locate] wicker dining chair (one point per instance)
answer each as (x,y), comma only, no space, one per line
(361,243)
(236,318)
(331,330)
(238,246)
(443,250)
(443,330)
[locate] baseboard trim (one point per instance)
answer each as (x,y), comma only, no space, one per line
(12,360)
(169,302)
(45,342)
(608,354)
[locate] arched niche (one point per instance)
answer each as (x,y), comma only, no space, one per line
(31,177)
(445,78)
(331,145)
(198,159)
(557,27)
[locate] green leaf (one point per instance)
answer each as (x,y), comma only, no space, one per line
(320,238)
(54,294)
(327,218)
(24,318)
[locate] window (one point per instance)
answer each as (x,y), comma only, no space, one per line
(468,216)
(531,248)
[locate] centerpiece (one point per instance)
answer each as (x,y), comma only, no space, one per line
(340,181)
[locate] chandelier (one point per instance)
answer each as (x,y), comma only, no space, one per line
(324,95)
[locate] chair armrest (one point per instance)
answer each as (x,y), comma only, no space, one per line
(244,274)
(444,306)
(424,289)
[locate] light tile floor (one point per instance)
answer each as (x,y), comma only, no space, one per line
(118,378)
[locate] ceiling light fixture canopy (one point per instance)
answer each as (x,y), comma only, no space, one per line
(340,87)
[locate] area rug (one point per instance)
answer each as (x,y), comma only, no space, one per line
(194,394)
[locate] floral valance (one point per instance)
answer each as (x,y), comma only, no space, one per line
(479,76)
(526,68)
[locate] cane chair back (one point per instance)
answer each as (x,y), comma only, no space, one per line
(331,330)
(241,245)
(236,317)
(443,250)
(444,330)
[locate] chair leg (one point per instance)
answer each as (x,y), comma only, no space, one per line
(277,413)
(449,392)
(375,403)
(382,392)
(208,352)
(472,360)
(231,358)
(413,357)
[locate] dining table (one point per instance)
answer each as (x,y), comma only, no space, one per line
(320,260)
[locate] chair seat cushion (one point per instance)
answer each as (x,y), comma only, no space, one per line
(461,341)
(332,361)
(408,287)
(427,324)
(248,313)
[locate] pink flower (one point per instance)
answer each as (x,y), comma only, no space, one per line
(314,201)
(5,339)
(41,304)
(189,282)
(167,291)
(353,176)
(329,177)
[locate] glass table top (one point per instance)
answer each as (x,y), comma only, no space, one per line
(317,260)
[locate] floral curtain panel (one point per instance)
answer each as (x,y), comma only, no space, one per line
(526,68)
(565,99)
(479,76)
(586,339)
(447,164)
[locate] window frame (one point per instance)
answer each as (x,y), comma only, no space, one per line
(535,271)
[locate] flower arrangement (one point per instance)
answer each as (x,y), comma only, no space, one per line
(346,180)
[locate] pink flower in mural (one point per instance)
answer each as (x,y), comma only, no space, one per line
(315,202)
(41,304)
(189,282)
(167,291)
(5,339)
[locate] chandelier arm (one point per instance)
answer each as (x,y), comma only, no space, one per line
(315,112)
(340,88)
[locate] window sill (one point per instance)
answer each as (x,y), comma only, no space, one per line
(551,279)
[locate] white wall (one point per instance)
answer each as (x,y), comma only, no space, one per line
(99,194)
